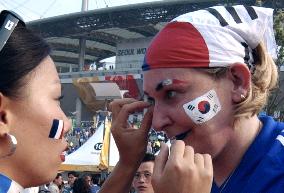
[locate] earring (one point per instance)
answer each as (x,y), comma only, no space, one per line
(13,145)
(243,97)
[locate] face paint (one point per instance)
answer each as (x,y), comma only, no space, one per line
(203,108)
(56,130)
(168,82)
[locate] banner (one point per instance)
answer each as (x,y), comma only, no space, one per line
(104,157)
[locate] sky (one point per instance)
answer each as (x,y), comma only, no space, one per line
(36,9)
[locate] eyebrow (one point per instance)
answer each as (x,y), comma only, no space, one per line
(167,82)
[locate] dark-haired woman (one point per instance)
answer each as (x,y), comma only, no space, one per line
(82,185)
(31,121)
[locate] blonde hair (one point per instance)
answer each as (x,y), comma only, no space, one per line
(263,80)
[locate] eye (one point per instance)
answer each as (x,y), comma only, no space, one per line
(137,176)
(147,175)
(151,101)
(170,94)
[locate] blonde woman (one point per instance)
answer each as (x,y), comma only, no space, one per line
(207,75)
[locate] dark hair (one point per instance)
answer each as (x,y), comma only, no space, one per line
(58,175)
(96,178)
(148,157)
(22,53)
(73,173)
(81,186)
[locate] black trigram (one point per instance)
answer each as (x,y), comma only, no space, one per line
(190,107)
(200,119)
(215,108)
(250,10)
(210,96)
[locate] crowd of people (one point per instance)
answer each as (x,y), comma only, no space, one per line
(76,183)
(207,74)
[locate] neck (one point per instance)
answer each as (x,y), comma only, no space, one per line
(242,135)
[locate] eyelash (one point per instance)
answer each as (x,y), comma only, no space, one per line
(151,101)
(60,98)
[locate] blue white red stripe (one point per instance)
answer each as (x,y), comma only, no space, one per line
(56,130)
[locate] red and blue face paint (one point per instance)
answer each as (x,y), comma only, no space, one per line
(56,131)
(203,108)
(168,82)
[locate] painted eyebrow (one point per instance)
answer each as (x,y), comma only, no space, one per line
(168,82)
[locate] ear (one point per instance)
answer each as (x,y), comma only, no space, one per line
(241,79)
(3,116)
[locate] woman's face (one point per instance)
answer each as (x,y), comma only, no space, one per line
(185,86)
(37,156)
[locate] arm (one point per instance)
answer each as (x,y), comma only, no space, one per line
(131,144)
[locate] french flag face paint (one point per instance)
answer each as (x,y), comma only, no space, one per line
(56,131)
(203,108)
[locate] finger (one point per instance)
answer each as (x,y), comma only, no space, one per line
(147,122)
(199,160)
(208,162)
(177,151)
(116,105)
(189,154)
(128,109)
(160,161)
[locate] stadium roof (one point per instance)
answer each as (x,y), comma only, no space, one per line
(104,28)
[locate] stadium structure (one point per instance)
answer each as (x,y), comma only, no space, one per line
(81,40)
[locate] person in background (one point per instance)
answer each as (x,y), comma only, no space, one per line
(55,185)
(95,185)
(72,176)
(206,75)
(31,120)
(143,176)
(81,185)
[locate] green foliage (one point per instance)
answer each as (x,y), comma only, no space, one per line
(279,35)
(276,100)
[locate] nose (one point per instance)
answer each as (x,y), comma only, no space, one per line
(142,179)
(160,117)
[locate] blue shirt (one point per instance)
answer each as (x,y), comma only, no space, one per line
(9,186)
(261,169)
(95,188)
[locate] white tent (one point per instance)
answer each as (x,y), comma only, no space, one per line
(87,157)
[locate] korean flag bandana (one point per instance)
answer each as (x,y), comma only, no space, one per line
(214,37)
(203,108)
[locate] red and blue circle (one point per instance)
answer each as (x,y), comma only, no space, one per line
(203,107)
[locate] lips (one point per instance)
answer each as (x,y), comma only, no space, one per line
(181,136)
(62,156)
(140,188)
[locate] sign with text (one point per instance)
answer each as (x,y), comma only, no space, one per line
(130,53)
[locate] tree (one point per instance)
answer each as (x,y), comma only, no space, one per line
(276,100)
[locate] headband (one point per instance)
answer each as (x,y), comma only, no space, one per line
(215,37)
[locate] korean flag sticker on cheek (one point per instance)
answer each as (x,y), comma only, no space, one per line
(203,108)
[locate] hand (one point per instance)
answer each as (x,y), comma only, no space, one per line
(182,171)
(131,142)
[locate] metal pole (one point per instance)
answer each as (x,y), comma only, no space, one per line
(82,45)
(85,4)
(78,112)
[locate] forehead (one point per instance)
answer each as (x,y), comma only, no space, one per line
(153,77)
(146,166)
(45,73)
